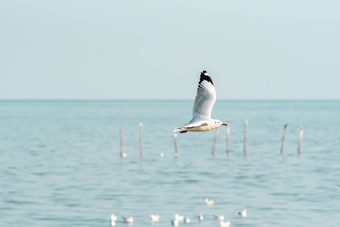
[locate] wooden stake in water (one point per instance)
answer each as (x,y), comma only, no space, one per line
(121,143)
(283,138)
(300,140)
(245,138)
(228,136)
(140,140)
(175,144)
(215,140)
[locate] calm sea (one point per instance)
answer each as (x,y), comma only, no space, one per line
(60,164)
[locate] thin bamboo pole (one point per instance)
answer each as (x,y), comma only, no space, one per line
(228,137)
(300,140)
(245,138)
(283,138)
(121,143)
(141,140)
(215,140)
(175,145)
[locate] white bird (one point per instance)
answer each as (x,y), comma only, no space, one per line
(243,213)
(209,202)
(113,223)
(154,217)
(179,218)
(124,155)
(204,102)
(200,217)
(161,154)
(174,222)
(225,224)
(219,217)
(128,220)
(187,220)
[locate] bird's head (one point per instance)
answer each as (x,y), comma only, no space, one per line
(218,123)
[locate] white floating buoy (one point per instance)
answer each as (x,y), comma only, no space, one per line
(154,217)
(209,202)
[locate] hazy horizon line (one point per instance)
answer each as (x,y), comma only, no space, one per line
(146,99)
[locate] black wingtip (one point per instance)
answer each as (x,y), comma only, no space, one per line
(205,76)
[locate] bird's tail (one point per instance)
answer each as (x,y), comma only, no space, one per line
(180,130)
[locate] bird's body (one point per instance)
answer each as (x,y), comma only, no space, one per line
(174,222)
(200,125)
(200,217)
(205,98)
(128,220)
(219,217)
(243,213)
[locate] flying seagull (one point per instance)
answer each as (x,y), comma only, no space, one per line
(204,102)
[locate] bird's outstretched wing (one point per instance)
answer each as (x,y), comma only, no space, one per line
(205,97)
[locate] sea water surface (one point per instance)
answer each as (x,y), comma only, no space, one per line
(60,164)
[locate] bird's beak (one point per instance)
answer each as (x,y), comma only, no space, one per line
(225,124)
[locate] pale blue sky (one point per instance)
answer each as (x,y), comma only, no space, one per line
(110,49)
